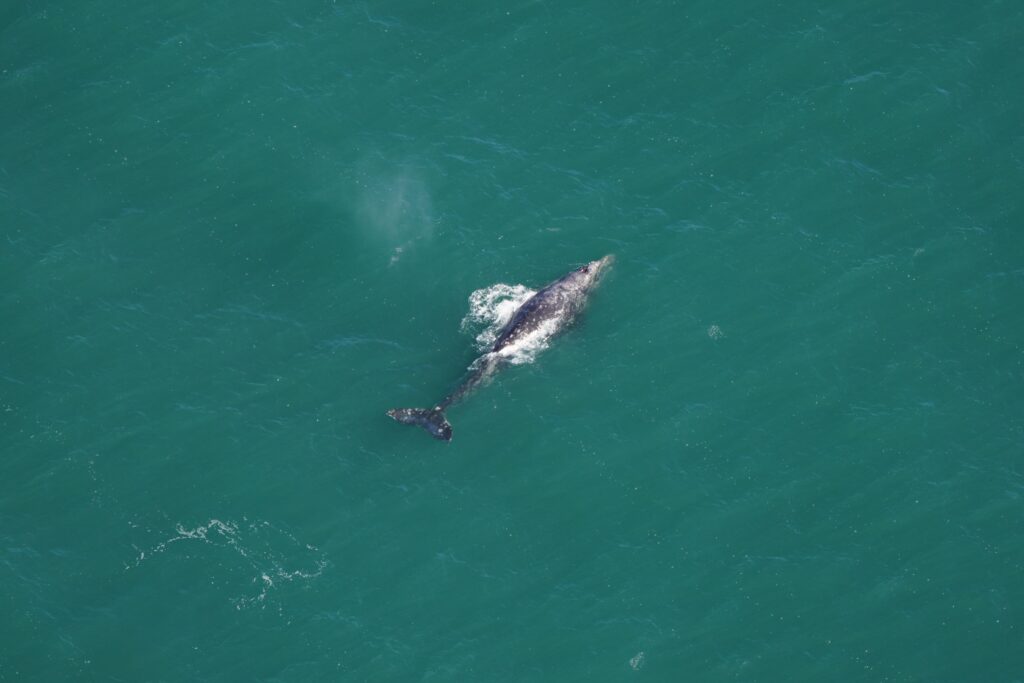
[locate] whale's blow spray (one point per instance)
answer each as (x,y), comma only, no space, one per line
(394,205)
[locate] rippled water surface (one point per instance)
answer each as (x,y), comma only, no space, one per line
(784,443)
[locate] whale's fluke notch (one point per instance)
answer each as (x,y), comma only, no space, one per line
(431,419)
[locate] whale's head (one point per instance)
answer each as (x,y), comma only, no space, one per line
(595,270)
(589,275)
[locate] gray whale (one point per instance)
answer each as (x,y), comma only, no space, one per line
(547,312)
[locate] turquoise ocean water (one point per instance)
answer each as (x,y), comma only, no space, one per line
(785,443)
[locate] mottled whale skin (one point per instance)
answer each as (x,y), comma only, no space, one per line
(552,308)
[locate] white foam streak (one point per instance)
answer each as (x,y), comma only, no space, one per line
(265,551)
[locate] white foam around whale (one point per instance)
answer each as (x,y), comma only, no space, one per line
(491,308)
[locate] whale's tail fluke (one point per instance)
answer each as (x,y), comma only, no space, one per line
(431,419)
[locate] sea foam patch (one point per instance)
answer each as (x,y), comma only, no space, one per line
(251,552)
(491,308)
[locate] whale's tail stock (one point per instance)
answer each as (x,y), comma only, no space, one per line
(431,419)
